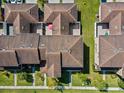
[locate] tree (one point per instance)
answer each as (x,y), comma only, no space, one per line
(22,75)
(29,77)
(121,83)
(39,74)
(6,73)
(40,4)
(3,2)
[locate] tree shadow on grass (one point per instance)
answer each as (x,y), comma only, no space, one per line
(86,69)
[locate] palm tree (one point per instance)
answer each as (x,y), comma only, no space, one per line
(40,4)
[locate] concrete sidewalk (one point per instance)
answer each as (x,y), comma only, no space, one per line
(65,87)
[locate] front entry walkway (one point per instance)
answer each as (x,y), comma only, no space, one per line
(15,78)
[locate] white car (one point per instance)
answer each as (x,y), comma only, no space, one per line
(13,1)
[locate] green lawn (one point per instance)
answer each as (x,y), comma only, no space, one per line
(54,91)
(6,80)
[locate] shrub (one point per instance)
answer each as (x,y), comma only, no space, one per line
(40,4)
(22,76)
(3,2)
(39,74)
(85,79)
(100,84)
(29,77)
(26,76)
(52,82)
(121,83)
(6,73)
(113,76)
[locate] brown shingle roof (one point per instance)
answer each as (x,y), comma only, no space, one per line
(113,13)
(57,51)
(111,51)
(29,11)
(27,56)
(8,58)
(26,40)
(60,15)
(54,64)
(52,10)
(71,45)
(21,16)
(25,46)
(6,42)
(21,25)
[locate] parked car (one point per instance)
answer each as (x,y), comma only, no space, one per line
(19,1)
(13,1)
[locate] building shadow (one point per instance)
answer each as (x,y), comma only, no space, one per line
(41,15)
(79,15)
(65,77)
(86,68)
(79,20)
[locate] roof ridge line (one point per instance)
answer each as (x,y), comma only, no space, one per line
(75,42)
(29,8)
(32,17)
(70,9)
(109,43)
(109,59)
(75,59)
(50,11)
(9,11)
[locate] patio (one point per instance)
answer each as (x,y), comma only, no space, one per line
(74,28)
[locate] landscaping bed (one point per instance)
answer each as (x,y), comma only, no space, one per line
(6,78)
(24,77)
(39,79)
(76,80)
